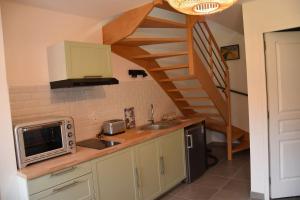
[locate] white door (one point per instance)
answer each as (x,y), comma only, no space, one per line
(283,77)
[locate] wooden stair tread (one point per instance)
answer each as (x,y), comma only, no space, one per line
(154,22)
(179,78)
(166,6)
(148,41)
(172,67)
(237,133)
(200,107)
(185,90)
(200,99)
(244,145)
(211,115)
(161,55)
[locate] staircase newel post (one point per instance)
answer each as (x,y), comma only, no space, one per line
(190,21)
(229,124)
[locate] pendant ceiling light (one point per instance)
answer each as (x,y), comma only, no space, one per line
(201,7)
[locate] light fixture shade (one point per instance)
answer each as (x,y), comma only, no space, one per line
(201,7)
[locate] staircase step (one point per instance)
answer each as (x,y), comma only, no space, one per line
(199,107)
(220,126)
(148,41)
(173,67)
(199,99)
(154,22)
(208,115)
(166,6)
(244,145)
(179,78)
(186,90)
(161,55)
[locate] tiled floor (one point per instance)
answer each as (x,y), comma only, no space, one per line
(228,180)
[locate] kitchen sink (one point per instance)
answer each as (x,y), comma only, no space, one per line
(160,125)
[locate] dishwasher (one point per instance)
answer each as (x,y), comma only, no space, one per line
(196,151)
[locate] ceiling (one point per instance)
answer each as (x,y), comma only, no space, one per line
(101,9)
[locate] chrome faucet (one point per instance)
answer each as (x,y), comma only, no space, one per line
(151,120)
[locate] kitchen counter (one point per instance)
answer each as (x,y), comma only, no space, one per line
(129,138)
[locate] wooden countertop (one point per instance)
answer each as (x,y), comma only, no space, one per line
(129,138)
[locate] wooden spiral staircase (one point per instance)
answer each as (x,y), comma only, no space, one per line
(205,65)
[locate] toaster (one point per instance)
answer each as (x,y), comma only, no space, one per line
(113,127)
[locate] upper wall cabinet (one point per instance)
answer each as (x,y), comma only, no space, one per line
(77,60)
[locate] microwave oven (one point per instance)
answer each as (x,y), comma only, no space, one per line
(44,138)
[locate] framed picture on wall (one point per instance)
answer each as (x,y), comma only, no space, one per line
(231,52)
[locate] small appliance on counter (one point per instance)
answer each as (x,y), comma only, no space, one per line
(43,138)
(113,127)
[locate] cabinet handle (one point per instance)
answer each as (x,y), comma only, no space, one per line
(58,189)
(189,141)
(162,165)
(137,177)
(96,76)
(63,171)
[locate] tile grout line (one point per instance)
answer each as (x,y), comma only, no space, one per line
(230,178)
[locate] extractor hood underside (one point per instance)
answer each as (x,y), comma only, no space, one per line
(84,82)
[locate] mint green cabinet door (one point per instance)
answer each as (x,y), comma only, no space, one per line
(148,169)
(77,189)
(115,176)
(88,60)
(172,159)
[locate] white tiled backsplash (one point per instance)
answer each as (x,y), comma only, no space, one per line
(90,106)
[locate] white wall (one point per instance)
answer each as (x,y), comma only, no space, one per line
(238,75)
(262,16)
(28,31)
(8,168)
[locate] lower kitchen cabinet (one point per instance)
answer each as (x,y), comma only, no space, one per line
(148,170)
(141,172)
(172,158)
(116,176)
(77,189)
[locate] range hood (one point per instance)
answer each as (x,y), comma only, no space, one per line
(78,64)
(83,82)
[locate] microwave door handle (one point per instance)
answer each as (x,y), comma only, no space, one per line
(32,128)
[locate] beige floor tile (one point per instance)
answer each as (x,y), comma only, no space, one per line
(223,170)
(243,173)
(230,195)
(211,181)
(195,192)
(238,186)
(169,197)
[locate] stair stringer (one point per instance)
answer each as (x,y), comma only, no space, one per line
(130,52)
(209,86)
(125,24)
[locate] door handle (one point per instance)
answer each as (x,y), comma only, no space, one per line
(189,141)
(64,171)
(58,189)
(162,165)
(93,76)
(137,178)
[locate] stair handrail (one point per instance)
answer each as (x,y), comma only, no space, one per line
(224,77)
(212,64)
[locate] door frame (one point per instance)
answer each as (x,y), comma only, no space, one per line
(268,105)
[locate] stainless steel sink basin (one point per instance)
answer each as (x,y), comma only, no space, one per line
(160,125)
